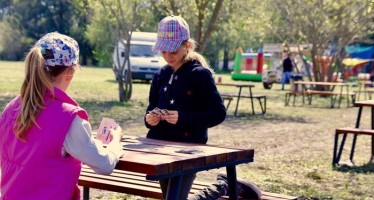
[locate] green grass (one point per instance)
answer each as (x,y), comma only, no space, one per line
(293,145)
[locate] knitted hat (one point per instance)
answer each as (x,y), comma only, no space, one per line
(59,49)
(172,31)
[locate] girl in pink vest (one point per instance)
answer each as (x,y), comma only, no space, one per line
(45,135)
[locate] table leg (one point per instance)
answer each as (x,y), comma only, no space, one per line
(353,147)
(86,193)
(372,137)
(231,179)
(355,135)
(174,188)
(250,94)
(372,149)
(337,159)
(359,91)
(237,102)
(341,96)
(333,100)
(348,101)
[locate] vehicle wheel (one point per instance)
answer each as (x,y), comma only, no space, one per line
(267,85)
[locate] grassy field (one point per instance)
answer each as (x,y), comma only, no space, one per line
(293,145)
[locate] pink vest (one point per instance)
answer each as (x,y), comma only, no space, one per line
(36,169)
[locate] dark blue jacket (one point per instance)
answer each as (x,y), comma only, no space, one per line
(287,65)
(192,92)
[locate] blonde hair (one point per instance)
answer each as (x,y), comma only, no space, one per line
(35,84)
(193,55)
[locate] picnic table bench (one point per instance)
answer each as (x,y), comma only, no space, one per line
(357,130)
(310,92)
(227,99)
(229,96)
(136,184)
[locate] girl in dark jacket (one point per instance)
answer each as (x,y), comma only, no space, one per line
(183,99)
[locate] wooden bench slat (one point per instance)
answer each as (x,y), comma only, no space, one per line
(310,93)
(328,92)
(122,187)
(228,95)
(135,184)
(355,131)
(338,148)
(260,97)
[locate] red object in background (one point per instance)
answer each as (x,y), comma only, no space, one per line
(248,64)
(260,62)
(354,70)
(219,79)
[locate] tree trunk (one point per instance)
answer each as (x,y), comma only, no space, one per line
(225,66)
(211,26)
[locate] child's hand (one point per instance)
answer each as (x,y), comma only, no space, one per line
(171,117)
(152,119)
(115,134)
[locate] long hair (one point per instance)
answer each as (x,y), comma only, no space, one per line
(193,55)
(38,79)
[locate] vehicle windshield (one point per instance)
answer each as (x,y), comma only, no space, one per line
(137,50)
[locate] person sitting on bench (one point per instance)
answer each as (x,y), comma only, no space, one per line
(45,135)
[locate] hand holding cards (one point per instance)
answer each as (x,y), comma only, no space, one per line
(104,132)
(156,115)
(160,112)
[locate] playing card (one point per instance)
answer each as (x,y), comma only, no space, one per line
(164,112)
(104,129)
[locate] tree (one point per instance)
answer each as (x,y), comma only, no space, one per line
(30,20)
(82,13)
(121,18)
(201,16)
(10,44)
(327,25)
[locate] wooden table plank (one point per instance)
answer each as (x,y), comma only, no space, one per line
(211,153)
(157,157)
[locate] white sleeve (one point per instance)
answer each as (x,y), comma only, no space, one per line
(79,144)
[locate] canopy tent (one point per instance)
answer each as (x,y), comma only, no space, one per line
(358,51)
(354,61)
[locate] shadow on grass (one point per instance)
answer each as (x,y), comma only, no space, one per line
(367,168)
(133,81)
(267,117)
(102,105)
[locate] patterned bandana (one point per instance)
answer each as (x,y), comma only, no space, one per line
(172,31)
(65,49)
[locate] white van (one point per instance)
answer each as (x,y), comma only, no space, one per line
(144,62)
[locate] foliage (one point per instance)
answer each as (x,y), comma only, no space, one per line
(98,35)
(219,26)
(30,20)
(10,42)
(121,18)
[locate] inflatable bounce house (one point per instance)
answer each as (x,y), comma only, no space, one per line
(249,66)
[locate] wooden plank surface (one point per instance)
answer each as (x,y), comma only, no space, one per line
(136,184)
(321,83)
(369,103)
(156,157)
(236,84)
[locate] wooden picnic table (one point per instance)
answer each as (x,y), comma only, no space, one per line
(160,159)
(330,87)
(363,89)
(357,130)
(240,95)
